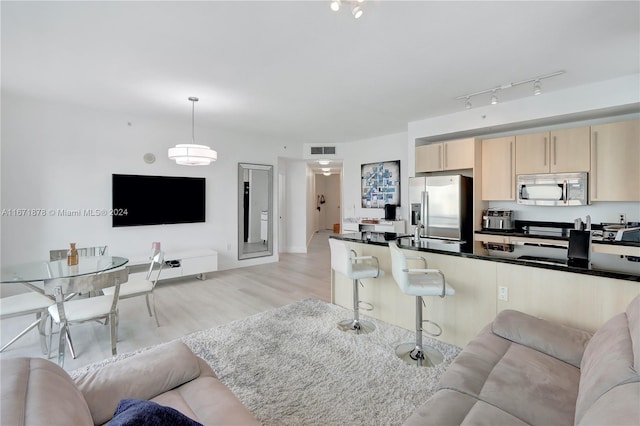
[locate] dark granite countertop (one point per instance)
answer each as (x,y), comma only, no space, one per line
(405,241)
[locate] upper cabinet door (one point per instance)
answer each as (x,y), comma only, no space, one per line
(429,158)
(451,155)
(498,169)
(559,151)
(570,150)
(532,153)
(615,159)
(458,154)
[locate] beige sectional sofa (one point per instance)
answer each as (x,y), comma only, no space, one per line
(521,370)
(36,391)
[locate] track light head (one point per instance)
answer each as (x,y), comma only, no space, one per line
(494,98)
(468,105)
(357,12)
(335,5)
(537,88)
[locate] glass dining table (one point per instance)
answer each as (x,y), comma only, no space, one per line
(27,273)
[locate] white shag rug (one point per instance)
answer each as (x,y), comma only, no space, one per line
(292,366)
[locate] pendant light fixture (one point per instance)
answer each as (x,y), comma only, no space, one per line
(190,154)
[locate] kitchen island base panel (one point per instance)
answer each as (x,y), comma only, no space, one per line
(577,300)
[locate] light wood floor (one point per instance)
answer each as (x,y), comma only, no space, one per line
(188,305)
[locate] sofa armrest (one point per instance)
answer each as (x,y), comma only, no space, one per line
(142,376)
(564,343)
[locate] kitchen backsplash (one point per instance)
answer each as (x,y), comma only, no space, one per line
(599,212)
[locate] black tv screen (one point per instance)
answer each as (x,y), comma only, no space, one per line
(157,200)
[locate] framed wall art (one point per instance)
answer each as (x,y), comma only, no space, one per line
(380,184)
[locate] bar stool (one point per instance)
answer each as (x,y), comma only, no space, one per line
(418,283)
(345,261)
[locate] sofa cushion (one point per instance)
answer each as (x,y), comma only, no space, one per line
(565,343)
(610,361)
(620,406)
(156,371)
(36,391)
(136,412)
(450,407)
(525,383)
(208,401)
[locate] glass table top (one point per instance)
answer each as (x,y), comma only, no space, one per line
(44,270)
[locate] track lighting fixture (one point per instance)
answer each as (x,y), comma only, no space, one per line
(356,8)
(537,88)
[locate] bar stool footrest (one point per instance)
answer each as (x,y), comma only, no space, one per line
(365,306)
(438,333)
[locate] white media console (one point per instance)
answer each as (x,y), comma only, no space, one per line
(178,264)
(379,226)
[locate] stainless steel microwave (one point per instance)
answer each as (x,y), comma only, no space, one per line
(553,189)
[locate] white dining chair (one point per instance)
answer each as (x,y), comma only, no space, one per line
(79,310)
(144,287)
(27,304)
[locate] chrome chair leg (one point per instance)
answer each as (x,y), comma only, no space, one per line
(70,342)
(114,336)
(61,342)
(22,333)
(153,303)
(356,325)
(42,326)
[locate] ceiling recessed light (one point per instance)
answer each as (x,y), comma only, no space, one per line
(326,169)
(323,162)
(327,173)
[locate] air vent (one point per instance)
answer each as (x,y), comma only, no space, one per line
(323,150)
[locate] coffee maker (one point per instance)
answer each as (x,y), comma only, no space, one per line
(390,211)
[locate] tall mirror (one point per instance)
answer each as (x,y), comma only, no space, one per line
(255,210)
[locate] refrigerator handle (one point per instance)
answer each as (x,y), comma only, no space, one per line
(425,214)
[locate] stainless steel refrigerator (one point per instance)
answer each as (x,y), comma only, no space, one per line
(443,206)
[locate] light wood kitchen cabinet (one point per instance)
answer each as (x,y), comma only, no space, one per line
(450,155)
(498,169)
(558,151)
(615,159)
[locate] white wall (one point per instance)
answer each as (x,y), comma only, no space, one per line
(383,148)
(59,156)
(313,215)
(297,206)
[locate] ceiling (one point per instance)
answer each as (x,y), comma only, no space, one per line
(297,71)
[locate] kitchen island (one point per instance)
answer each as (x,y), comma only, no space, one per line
(579,297)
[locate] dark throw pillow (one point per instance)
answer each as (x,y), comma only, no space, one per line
(142,413)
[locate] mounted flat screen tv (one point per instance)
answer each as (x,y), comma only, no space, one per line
(157,200)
